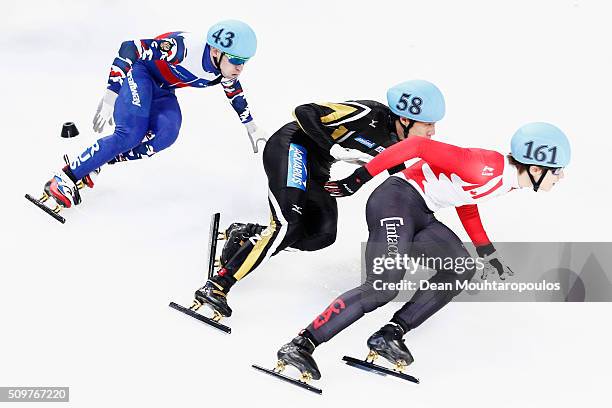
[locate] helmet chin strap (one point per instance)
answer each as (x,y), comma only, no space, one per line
(407,128)
(536,184)
(217,61)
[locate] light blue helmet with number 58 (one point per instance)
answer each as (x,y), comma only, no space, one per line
(233,37)
(417,100)
(541,144)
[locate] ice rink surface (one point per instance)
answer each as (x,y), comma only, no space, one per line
(85,304)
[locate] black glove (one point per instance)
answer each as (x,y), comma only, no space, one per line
(349,185)
(493,262)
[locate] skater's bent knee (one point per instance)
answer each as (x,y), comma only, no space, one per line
(295,231)
(315,242)
(127,139)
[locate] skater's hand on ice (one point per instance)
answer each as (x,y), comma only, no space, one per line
(353,156)
(104,113)
(256,135)
(349,185)
(493,262)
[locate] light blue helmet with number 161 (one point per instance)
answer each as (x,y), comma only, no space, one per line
(541,144)
(417,100)
(233,37)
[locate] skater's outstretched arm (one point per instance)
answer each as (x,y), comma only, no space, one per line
(464,162)
(470,218)
(326,123)
(439,154)
(235,94)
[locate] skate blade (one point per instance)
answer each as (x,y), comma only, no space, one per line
(288,379)
(376,369)
(53,212)
(212,243)
(202,318)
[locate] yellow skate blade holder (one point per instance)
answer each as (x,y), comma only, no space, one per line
(195,305)
(372,356)
(280,366)
(217,316)
(305,377)
(400,366)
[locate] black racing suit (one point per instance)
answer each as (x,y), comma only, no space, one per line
(297,163)
(399,222)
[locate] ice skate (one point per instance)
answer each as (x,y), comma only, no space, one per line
(296,353)
(63,192)
(192,311)
(387,342)
(213,294)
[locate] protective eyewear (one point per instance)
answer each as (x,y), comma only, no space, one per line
(235,60)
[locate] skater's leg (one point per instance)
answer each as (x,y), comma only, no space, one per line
(394,212)
(321,219)
(165,121)
(439,242)
(164,125)
(285,163)
(131,115)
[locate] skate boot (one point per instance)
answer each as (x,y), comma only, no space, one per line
(88,180)
(388,343)
(298,353)
(63,190)
(236,235)
(214,294)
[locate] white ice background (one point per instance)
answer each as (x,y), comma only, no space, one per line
(85,304)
